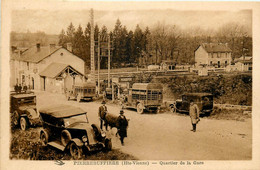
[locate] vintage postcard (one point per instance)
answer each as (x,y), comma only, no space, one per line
(129,85)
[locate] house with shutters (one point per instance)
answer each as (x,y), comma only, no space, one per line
(48,68)
(217,55)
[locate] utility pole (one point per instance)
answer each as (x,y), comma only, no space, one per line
(108,65)
(92,43)
(98,63)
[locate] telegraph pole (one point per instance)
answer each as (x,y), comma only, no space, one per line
(108,67)
(92,43)
(98,63)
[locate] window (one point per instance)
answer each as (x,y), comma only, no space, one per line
(28,66)
(210,62)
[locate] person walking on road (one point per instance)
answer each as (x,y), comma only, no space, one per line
(122,126)
(194,115)
(102,111)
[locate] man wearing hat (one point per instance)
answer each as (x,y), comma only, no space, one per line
(102,111)
(194,115)
(122,124)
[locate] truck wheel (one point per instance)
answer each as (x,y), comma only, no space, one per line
(140,108)
(75,151)
(23,123)
(44,137)
(65,137)
(78,98)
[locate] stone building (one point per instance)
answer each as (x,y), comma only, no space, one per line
(213,54)
(50,68)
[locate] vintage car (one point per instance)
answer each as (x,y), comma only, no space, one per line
(23,110)
(144,96)
(203,100)
(82,91)
(67,128)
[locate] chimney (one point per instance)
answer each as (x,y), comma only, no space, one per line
(69,47)
(52,47)
(38,45)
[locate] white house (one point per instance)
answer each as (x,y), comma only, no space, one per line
(51,68)
(213,54)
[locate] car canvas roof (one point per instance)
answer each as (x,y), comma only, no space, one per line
(23,95)
(62,111)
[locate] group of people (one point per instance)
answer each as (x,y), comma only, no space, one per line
(19,88)
(122,122)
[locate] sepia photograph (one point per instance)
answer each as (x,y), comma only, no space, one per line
(129,84)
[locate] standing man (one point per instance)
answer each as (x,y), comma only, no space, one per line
(122,124)
(102,111)
(194,115)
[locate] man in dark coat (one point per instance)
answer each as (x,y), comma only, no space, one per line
(102,111)
(122,126)
(194,115)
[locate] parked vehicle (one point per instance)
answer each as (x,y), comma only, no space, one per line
(82,91)
(67,128)
(203,100)
(23,110)
(144,96)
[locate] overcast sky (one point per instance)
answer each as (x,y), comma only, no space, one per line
(52,21)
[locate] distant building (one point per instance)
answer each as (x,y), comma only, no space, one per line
(213,54)
(49,68)
(168,65)
(242,64)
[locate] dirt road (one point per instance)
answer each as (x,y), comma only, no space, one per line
(167,136)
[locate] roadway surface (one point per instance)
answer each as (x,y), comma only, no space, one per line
(166,136)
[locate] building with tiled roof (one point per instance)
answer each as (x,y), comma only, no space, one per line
(213,54)
(51,68)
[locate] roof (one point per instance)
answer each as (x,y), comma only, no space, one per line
(198,94)
(215,47)
(55,69)
(245,59)
(62,111)
(142,86)
(33,55)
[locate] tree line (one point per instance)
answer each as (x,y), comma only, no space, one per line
(152,45)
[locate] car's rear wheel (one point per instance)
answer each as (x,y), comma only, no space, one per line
(15,118)
(140,108)
(65,137)
(44,137)
(23,123)
(75,151)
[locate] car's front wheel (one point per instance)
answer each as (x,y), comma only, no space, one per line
(23,123)
(65,137)
(75,151)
